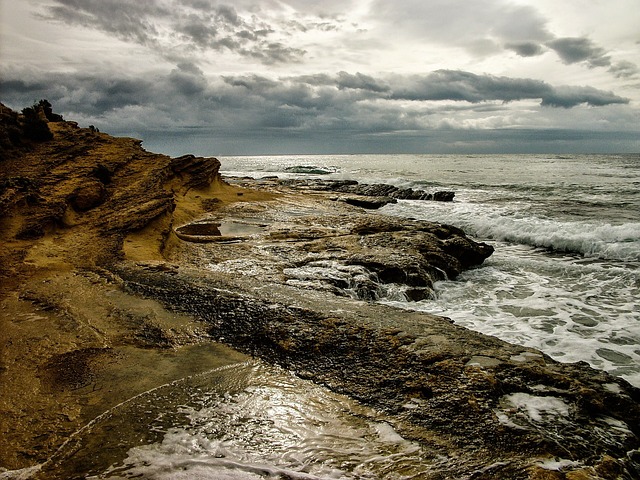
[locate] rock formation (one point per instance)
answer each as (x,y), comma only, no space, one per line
(115,259)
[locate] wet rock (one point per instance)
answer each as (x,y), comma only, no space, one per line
(468,253)
(74,370)
(370,190)
(457,390)
(368,202)
(444,196)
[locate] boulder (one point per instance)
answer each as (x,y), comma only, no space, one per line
(368,202)
(87,196)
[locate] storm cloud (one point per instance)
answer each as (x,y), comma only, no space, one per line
(469,87)
(352,101)
(574,50)
(297,74)
(525,49)
(177,29)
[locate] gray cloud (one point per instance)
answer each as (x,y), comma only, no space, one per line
(568,97)
(577,50)
(360,81)
(525,49)
(624,69)
(186,95)
(177,29)
(343,112)
(580,49)
(188,79)
(469,87)
(129,21)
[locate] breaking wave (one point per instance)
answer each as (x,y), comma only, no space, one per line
(589,239)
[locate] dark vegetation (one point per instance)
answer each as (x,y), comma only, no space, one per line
(18,131)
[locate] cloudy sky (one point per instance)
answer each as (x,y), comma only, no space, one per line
(224,77)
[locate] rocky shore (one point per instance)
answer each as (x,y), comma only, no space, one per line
(122,270)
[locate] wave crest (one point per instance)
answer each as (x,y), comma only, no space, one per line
(605,241)
(595,240)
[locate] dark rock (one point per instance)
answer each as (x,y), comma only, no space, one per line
(369,190)
(444,196)
(88,196)
(368,202)
(308,169)
(418,294)
(410,194)
(467,252)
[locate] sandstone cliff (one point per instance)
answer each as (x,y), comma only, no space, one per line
(122,270)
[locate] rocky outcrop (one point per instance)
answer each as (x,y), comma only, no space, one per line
(384,190)
(84,177)
(367,201)
(198,172)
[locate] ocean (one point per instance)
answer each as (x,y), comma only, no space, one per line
(564,277)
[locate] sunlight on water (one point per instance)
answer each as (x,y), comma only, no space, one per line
(245,421)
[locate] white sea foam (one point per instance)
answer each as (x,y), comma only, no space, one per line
(355,281)
(183,454)
(21,474)
(537,408)
(557,464)
(571,310)
(599,240)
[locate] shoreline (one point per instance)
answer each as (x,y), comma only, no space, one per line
(93,305)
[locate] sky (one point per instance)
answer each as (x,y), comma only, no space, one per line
(254,77)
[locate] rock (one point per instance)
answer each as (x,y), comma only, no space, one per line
(369,190)
(443,196)
(88,196)
(410,194)
(200,172)
(418,369)
(468,253)
(368,202)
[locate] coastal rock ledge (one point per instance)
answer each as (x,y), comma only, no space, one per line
(123,270)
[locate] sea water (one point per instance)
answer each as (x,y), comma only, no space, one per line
(564,277)
(241,421)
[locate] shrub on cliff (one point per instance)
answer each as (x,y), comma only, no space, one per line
(35,122)
(47,108)
(10,131)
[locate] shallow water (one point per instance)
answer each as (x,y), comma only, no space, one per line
(245,421)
